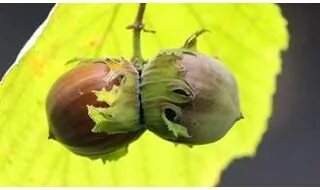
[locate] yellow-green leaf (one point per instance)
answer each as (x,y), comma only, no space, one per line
(248,38)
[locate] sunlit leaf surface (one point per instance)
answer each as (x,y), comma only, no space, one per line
(248,38)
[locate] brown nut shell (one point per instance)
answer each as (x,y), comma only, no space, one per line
(67,112)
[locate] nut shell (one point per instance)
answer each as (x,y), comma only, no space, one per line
(67,112)
(189,97)
(215,108)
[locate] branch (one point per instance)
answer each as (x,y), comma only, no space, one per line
(137,26)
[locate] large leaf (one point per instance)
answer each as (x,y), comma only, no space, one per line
(248,38)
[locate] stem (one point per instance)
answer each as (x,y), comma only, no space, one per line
(191,42)
(137,27)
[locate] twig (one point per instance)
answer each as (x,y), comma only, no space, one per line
(137,27)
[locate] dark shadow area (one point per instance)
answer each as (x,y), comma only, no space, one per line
(18,21)
(288,154)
